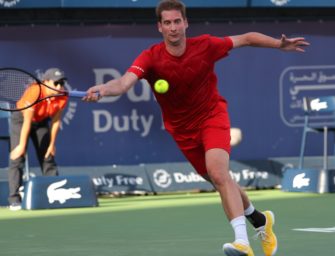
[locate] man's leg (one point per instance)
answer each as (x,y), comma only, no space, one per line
(263,223)
(256,218)
(217,165)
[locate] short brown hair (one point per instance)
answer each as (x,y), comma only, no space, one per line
(167,5)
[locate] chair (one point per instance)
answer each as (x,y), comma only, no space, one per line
(318,108)
(5,134)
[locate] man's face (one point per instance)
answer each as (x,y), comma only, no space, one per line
(173,27)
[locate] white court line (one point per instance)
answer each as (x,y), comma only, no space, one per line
(318,230)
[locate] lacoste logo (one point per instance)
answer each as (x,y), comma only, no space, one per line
(56,193)
(300,181)
(317,105)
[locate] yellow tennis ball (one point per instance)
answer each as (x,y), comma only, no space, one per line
(161,86)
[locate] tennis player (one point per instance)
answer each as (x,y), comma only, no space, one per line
(40,122)
(196,115)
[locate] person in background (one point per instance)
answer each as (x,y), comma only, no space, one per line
(196,115)
(41,123)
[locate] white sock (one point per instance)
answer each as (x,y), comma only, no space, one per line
(240,229)
(249,210)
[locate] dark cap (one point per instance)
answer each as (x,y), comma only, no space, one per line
(54,74)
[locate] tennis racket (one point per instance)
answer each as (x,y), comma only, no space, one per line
(20,90)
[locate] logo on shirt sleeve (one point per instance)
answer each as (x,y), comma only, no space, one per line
(138,68)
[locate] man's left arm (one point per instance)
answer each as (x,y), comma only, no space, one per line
(260,40)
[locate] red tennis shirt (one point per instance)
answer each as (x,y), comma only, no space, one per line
(193,91)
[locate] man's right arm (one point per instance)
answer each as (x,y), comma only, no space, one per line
(113,87)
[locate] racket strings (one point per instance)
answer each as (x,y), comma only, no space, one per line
(16,89)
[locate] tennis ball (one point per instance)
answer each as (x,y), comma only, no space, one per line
(161,86)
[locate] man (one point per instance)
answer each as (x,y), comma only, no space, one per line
(34,122)
(195,114)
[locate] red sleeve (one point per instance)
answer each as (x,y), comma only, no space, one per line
(229,42)
(141,64)
(221,46)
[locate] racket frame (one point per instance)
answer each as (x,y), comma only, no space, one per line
(76,94)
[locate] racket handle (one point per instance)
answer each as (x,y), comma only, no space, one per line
(80,94)
(77,94)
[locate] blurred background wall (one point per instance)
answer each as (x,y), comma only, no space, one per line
(93,41)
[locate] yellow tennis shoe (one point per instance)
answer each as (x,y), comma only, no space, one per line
(237,249)
(267,236)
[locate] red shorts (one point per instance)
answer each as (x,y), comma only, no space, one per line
(213,133)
